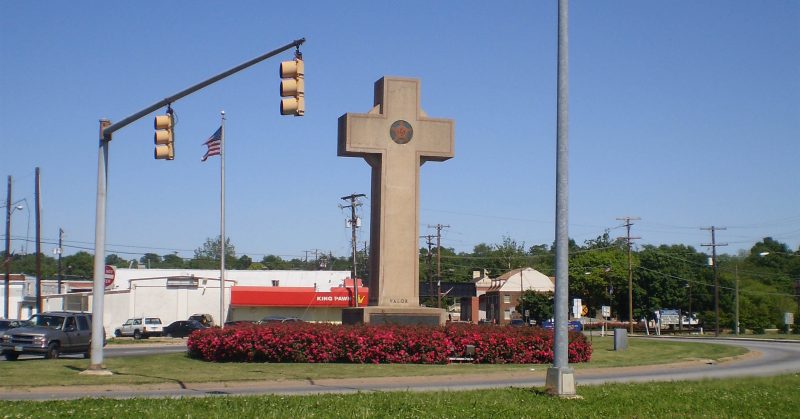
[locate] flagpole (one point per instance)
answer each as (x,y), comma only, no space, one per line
(222,222)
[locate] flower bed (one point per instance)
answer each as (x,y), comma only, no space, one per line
(319,343)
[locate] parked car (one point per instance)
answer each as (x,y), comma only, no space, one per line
(204,319)
(140,328)
(50,334)
(8,324)
(182,328)
(279,319)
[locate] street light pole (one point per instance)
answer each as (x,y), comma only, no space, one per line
(560,379)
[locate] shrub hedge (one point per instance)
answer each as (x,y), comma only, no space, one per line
(325,343)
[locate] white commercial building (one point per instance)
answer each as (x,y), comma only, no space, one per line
(175,294)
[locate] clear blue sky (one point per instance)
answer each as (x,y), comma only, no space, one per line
(683,113)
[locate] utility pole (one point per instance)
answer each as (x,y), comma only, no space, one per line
(736,321)
(628,238)
(439,228)
(429,260)
(7,256)
(689,284)
(353,198)
(365,270)
(38,199)
(714,246)
(60,250)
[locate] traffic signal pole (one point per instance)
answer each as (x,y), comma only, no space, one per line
(107,129)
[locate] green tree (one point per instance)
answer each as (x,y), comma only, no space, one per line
(510,254)
(211,250)
(600,277)
(172,261)
(151,260)
(80,265)
(665,274)
(274,263)
(538,304)
(114,260)
(26,264)
(243,262)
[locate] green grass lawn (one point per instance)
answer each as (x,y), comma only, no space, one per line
(773,397)
(178,368)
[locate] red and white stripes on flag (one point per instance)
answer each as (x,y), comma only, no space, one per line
(214,144)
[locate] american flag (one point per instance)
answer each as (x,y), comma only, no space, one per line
(214,143)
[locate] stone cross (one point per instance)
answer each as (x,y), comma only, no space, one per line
(396,137)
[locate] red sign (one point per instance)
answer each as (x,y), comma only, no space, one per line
(109,277)
(296,297)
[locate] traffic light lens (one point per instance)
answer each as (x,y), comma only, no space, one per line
(161,137)
(162,152)
(162,122)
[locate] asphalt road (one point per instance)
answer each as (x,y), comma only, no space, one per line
(770,358)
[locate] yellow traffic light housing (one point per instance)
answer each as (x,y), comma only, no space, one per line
(164,137)
(293,87)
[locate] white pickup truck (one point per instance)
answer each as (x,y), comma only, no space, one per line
(140,328)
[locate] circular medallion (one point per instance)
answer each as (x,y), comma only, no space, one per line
(401,132)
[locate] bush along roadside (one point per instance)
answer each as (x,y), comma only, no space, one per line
(328,343)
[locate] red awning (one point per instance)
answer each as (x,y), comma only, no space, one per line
(242,296)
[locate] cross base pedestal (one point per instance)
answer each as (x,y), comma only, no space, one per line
(394,315)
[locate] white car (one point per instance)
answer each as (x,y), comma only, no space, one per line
(140,328)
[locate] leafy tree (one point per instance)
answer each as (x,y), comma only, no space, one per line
(243,262)
(80,264)
(172,261)
(599,278)
(538,304)
(114,260)
(510,253)
(26,264)
(274,263)
(256,266)
(210,250)
(151,260)
(665,274)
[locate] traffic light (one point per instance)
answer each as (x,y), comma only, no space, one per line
(164,136)
(293,87)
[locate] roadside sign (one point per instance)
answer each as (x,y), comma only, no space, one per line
(576,307)
(788,318)
(606,311)
(670,317)
(109,276)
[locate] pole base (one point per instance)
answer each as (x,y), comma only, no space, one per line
(561,382)
(96,369)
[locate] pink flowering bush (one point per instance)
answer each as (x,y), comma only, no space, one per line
(314,343)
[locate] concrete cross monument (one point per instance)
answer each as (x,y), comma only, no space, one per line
(396,137)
